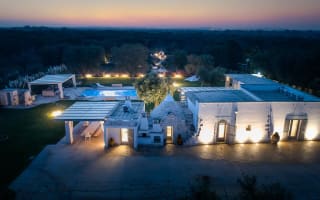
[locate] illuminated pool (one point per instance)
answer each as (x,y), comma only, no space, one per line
(109,93)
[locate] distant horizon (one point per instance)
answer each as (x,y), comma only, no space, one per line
(165,14)
(151,28)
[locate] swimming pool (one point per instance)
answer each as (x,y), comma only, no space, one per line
(109,93)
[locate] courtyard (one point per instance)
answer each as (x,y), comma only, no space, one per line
(85,170)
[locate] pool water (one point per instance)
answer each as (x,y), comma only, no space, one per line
(109,93)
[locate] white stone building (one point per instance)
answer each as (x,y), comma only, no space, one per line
(251,109)
(173,118)
(248,110)
(123,123)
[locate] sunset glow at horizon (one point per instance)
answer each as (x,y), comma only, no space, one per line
(243,14)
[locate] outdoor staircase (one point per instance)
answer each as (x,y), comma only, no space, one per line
(191,137)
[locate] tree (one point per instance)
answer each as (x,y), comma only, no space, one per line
(214,76)
(195,62)
(84,58)
(131,58)
(179,59)
(206,60)
(29,61)
(234,54)
(152,89)
(193,65)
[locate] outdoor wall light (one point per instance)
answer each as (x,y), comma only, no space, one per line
(56,113)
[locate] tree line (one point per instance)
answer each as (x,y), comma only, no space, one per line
(288,56)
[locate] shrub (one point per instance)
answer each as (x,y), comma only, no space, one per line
(250,190)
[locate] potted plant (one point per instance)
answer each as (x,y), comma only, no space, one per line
(275,138)
(179,140)
(111,142)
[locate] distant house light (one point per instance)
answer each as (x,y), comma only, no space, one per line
(175,84)
(161,75)
(107,75)
(124,75)
(140,75)
(177,76)
(88,75)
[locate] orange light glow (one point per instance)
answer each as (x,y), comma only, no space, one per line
(177,76)
(141,75)
(107,75)
(175,84)
(88,75)
(124,75)
(161,75)
(144,13)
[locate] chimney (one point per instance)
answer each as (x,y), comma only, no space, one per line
(144,125)
(128,103)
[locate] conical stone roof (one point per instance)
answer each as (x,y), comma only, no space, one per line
(167,106)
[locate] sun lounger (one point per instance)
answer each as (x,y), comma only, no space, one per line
(90,129)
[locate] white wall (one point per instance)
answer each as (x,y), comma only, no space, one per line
(150,140)
(115,134)
(281,109)
(255,114)
(212,113)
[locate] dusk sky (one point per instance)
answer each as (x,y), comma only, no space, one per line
(216,14)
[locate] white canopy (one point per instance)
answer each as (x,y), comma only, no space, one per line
(57,79)
(192,78)
(88,111)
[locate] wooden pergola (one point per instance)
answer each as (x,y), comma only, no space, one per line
(57,79)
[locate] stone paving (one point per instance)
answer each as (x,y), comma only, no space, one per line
(86,171)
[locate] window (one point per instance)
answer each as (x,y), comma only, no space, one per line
(294,128)
(156,139)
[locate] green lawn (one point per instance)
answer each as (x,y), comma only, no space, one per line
(29,131)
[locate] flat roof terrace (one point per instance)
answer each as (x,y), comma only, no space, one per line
(279,92)
(120,117)
(274,96)
(250,79)
(227,95)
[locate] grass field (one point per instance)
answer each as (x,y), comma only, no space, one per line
(28,131)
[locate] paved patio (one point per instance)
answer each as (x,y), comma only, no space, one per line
(85,170)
